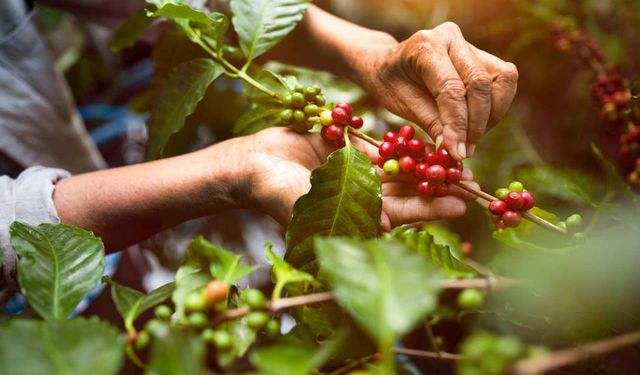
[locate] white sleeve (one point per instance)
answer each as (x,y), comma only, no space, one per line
(29,199)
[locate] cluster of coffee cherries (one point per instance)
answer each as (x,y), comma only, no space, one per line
(576,42)
(303,106)
(199,304)
(334,122)
(511,203)
(402,153)
(613,94)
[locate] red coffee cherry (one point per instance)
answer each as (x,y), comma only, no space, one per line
(407,131)
(340,115)
(416,148)
(402,148)
(380,162)
(332,132)
(407,164)
(528,199)
(511,218)
(453,175)
(390,137)
(421,170)
(436,174)
(497,207)
(425,188)
(356,122)
(387,150)
(340,142)
(514,201)
(431,158)
(444,159)
(500,224)
(441,190)
(346,106)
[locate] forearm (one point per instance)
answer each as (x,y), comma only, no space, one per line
(324,41)
(126,205)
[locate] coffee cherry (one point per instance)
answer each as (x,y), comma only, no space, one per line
(155,327)
(257,319)
(502,193)
(402,148)
(574,222)
(221,339)
(390,137)
(356,122)
(391,167)
(514,200)
(207,334)
(380,162)
(562,224)
(255,299)
(416,148)
(578,236)
(425,188)
(339,143)
(195,301)
(407,164)
(470,298)
(286,100)
(198,320)
(431,158)
(467,247)
(421,170)
(299,88)
(453,175)
(407,131)
(163,312)
(310,93)
(297,100)
(387,150)
(500,224)
(298,115)
(142,341)
(441,190)
(511,218)
(320,101)
(497,207)
(215,291)
(286,115)
(516,186)
(346,106)
(436,174)
(325,118)
(528,199)
(332,132)
(444,159)
(340,115)
(310,110)
(272,329)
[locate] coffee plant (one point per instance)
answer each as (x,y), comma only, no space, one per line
(361,301)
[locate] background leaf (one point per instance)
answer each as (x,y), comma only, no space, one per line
(386,287)
(345,200)
(131,303)
(261,24)
(58,265)
(130,31)
(64,347)
(177,352)
(256,119)
(177,99)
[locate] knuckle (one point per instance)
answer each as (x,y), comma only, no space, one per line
(452,89)
(480,82)
(451,27)
(509,73)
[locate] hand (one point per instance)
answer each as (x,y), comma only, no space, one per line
(453,90)
(282,161)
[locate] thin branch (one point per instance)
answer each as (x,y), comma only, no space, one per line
(364,137)
(426,354)
(569,356)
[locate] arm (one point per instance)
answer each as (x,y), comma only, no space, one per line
(450,88)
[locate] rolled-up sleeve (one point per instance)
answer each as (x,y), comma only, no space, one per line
(29,199)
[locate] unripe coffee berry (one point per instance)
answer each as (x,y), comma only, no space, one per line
(356,122)
(198,320)
(470,298)
(574,222)
(286,100)
(298,115)
(297,100)
(320,101)
(390,137)
(391,167)
(215,291)
(453,175)
(163,312)
(528,199)
(511,218)
(497,207)
(407,131)
(195,301)
(516,186)
(514,200)
(436,174)
(310,110)
(257,319)
(286,115)
(416,148)
(142,341)
(407,164)
(325,118)
(221,340)
(387,150)
(340,115)
(255,299)
(502,193)
(272,329)
(310,93)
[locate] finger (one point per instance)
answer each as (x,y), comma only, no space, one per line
(434,67)
(505,84)
(413,209)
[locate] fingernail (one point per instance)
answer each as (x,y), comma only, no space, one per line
(439,141)
(471,150)
(462,150)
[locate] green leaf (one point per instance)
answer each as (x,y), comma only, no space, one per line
(63,347)
(261,24)
(130,30)
(177,98)
(384,285)
(283,274)
(345,200)
(423,243)
(256,119)
(273,81)
(177,352)
(58,265)
(242,337)
(568,185)
(225,265)
(131,303)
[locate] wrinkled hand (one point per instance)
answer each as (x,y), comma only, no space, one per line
(453,90)
(282,161)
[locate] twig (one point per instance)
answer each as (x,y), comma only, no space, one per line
(425,354)
(572,355)
(363,136)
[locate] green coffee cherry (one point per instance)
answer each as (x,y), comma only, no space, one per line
(299,88)
(207,334)
(310,93)
(320,100)
(574,222)
(255,299)
(391,167)
(273,329)
(297,100)
(516,186)
(562,225)
(470,298)
(286,100)
(163,312)
(508,347)
(298,115)
(198,320)
(257,319)
(286,115)
(195,301)
(142,341)
(502,193)
(221,339)
(155,327)
(311,110)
